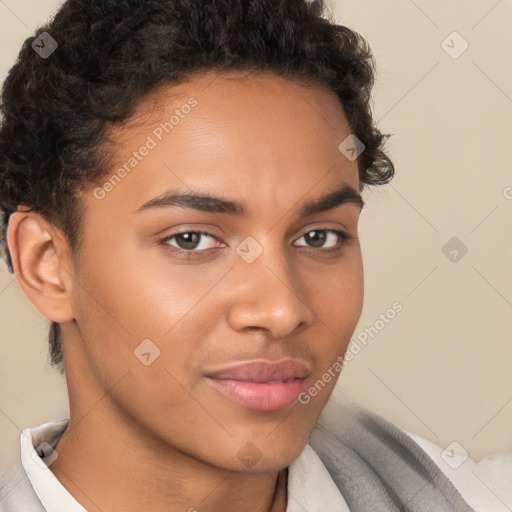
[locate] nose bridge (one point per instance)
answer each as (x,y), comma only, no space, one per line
(268,294)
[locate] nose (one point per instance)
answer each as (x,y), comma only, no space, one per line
(267,295)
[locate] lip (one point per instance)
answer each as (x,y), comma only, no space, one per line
(261,384)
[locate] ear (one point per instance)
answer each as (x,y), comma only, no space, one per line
(40,258)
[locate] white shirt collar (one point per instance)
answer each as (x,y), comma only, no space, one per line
(41,440)
(310,487)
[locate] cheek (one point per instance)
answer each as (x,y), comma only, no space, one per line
(160,314)
(337,300)
(126,299)
(336,293)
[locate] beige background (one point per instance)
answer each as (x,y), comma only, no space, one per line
(441,367)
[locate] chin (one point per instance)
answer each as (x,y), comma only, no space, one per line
(251,457)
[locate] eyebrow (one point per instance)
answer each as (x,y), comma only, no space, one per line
(208,203)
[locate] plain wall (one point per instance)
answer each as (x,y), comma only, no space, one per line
(441,367)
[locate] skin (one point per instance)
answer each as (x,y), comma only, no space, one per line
(158,437)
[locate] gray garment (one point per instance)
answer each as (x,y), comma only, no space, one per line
(376,466)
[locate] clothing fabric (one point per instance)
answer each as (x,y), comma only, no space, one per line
(37,489)
(486,485)
(377,466)
(355,461)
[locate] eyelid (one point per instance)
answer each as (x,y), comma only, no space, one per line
(196,231)
(342,234)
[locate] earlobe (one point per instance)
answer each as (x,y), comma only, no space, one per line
(38,265)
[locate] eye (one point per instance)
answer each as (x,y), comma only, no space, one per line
(190,241)
(334,239)
(193,243)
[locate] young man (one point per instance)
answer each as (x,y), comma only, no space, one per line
(181,185)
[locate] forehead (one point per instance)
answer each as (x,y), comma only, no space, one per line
(257,137)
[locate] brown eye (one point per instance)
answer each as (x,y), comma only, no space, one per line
(191,241)
(188,240)
(315,238)
(318,238)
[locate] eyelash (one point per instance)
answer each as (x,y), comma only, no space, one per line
(344,239)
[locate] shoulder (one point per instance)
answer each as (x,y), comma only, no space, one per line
(16,491)
(377,466)
(22,468)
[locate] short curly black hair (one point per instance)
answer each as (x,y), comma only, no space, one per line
(56,109)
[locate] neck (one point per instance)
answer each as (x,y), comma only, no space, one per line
(107,464)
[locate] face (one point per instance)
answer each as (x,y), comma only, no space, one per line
(192,313)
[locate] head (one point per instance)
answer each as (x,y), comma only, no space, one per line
(103,145)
